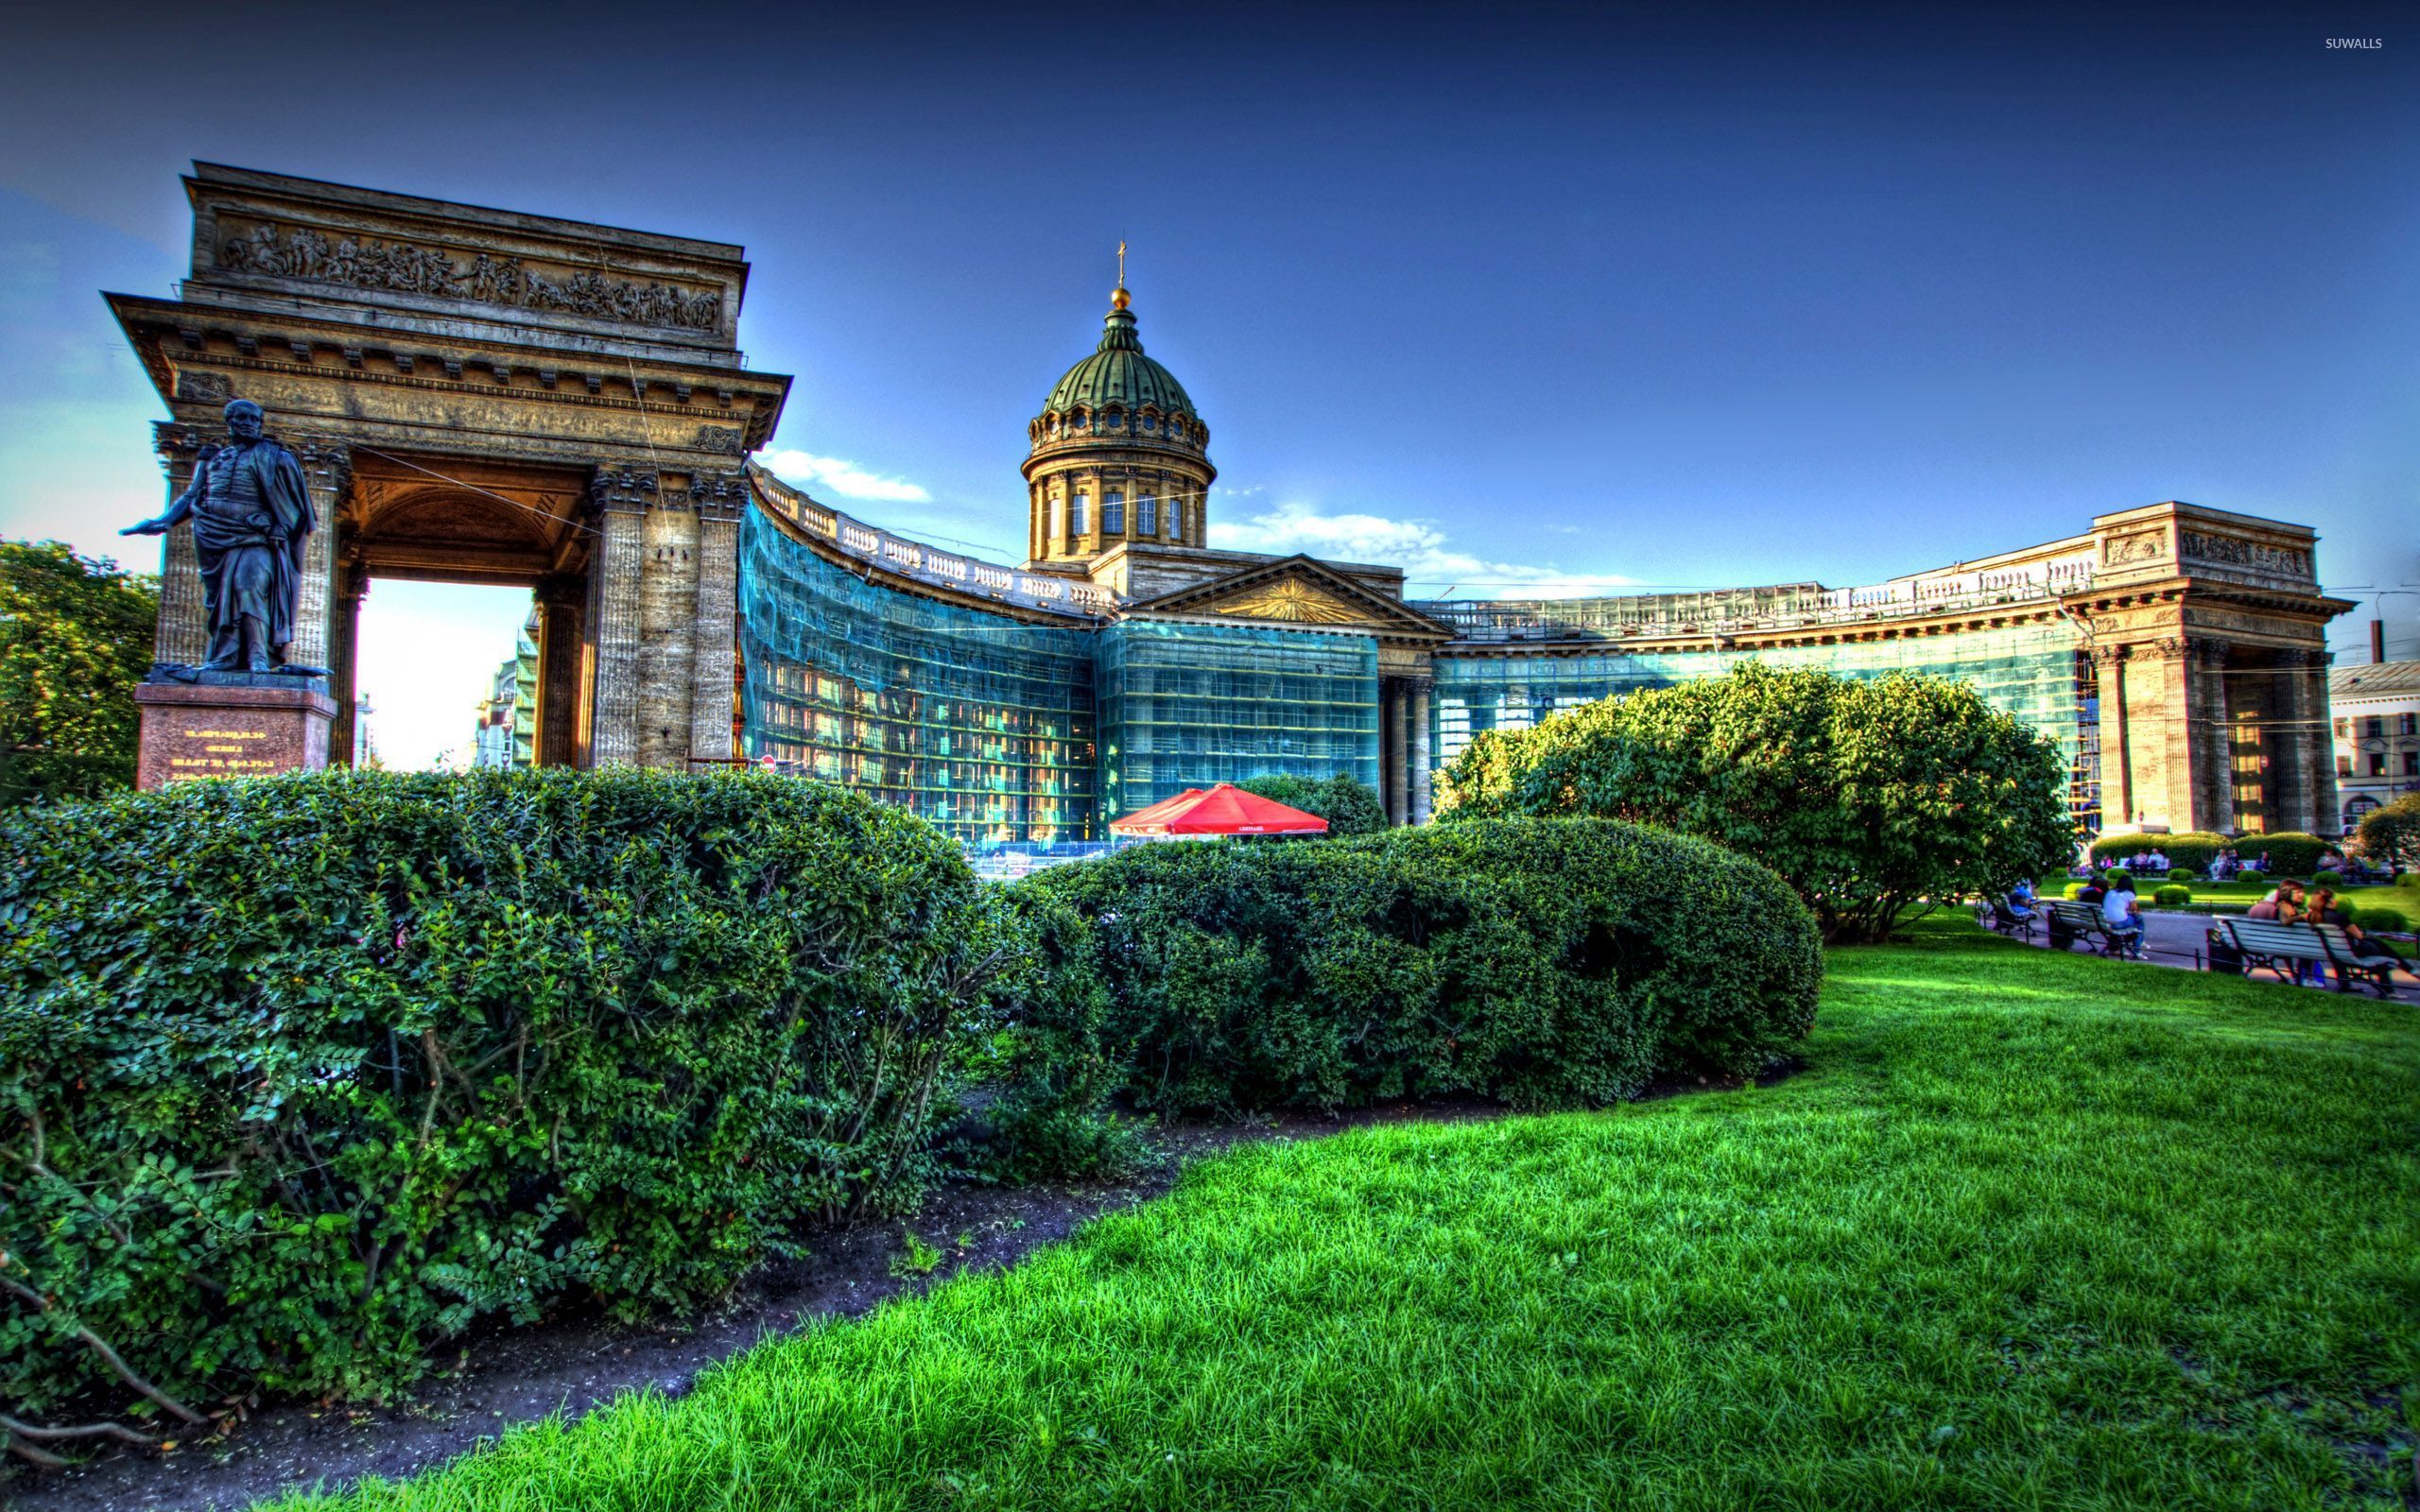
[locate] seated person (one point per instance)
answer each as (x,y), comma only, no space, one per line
(2284,905)
(2324,910)
(2123,915)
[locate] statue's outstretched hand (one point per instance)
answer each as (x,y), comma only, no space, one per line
(148,528)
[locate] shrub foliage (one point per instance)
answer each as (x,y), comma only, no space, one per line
(2389,834)
(1349,807)
(1545,962)
(1865,794)
(2291,853)
(297,1075)
(75,638)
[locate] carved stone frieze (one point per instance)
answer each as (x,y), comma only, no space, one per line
(2119,550)
(303,252)
(2234,551)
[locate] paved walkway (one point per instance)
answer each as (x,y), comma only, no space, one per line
(2179,940)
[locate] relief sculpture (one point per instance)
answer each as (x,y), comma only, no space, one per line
(2237,552)
(303,253)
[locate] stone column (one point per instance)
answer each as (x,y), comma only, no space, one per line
(561,605)
(2177,682)
(718,623)
(620,505)
(182,635)
(352,586)
(1390,756)
(2116,789)
(2214,740)
(2308,738)
(327,468)
(1421,758)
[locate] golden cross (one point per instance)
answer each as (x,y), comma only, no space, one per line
(1122,264)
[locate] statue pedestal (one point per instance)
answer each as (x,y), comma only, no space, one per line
(231,724)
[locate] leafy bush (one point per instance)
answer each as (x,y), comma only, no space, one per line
(1042,1049)
(2075,891)
(297,1075)
(1349,807)
(2390,921)
(2187,850)
(2172,895)
(1545,962)
(75,638)
(2389,835)
(2291,853)
(1867,795)
(2183,874)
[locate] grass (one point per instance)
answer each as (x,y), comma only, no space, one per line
(2011,1240)
(2211,897)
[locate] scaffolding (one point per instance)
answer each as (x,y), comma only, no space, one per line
(1185,705)
(977,722)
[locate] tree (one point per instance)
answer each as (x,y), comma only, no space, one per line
(1868,795)
(1349,807)
(76,637)
(2389,835)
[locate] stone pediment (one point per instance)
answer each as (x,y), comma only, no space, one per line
(1297,590)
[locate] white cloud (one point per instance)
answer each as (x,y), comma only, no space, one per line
(831,474)
(1423,552)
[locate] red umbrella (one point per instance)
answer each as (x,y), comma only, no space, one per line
(1225,809)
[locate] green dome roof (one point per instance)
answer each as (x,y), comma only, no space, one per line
(1118,374)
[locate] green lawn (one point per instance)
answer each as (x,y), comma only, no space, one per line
(2013,1240)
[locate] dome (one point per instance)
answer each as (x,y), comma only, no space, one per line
(1118,374)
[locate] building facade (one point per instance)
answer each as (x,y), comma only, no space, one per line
(486,396)
(2377,730)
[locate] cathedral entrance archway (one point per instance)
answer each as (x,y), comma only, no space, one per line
(481,396)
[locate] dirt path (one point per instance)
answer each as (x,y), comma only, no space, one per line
(573,1364)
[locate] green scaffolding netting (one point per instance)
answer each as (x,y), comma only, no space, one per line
(1184,705)
(977,722)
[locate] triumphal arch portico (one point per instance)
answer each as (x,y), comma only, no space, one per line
(481,396)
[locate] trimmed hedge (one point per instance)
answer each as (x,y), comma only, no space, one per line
(1545,962)
(2172,895)
(2187,850)
(2392,921)
(2291,853)
(299,1076)
(1350,807)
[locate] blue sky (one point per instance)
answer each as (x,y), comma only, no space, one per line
(1522,297)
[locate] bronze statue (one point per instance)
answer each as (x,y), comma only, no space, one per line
(251,519)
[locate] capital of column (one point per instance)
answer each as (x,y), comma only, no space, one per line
(620,491)
(718,495)
(2108,656)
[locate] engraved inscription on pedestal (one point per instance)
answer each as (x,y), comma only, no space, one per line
(200,729)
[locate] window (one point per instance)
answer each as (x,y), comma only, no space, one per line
(1112,513)
(2344,730)
(2406,724)
(2377,764)
(2412,764)
(1146,517)
(1077,513)
(2344,766)
(2375,724)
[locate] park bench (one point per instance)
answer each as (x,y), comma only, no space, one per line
(2002,914)
(2083,921)
(2285,947)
